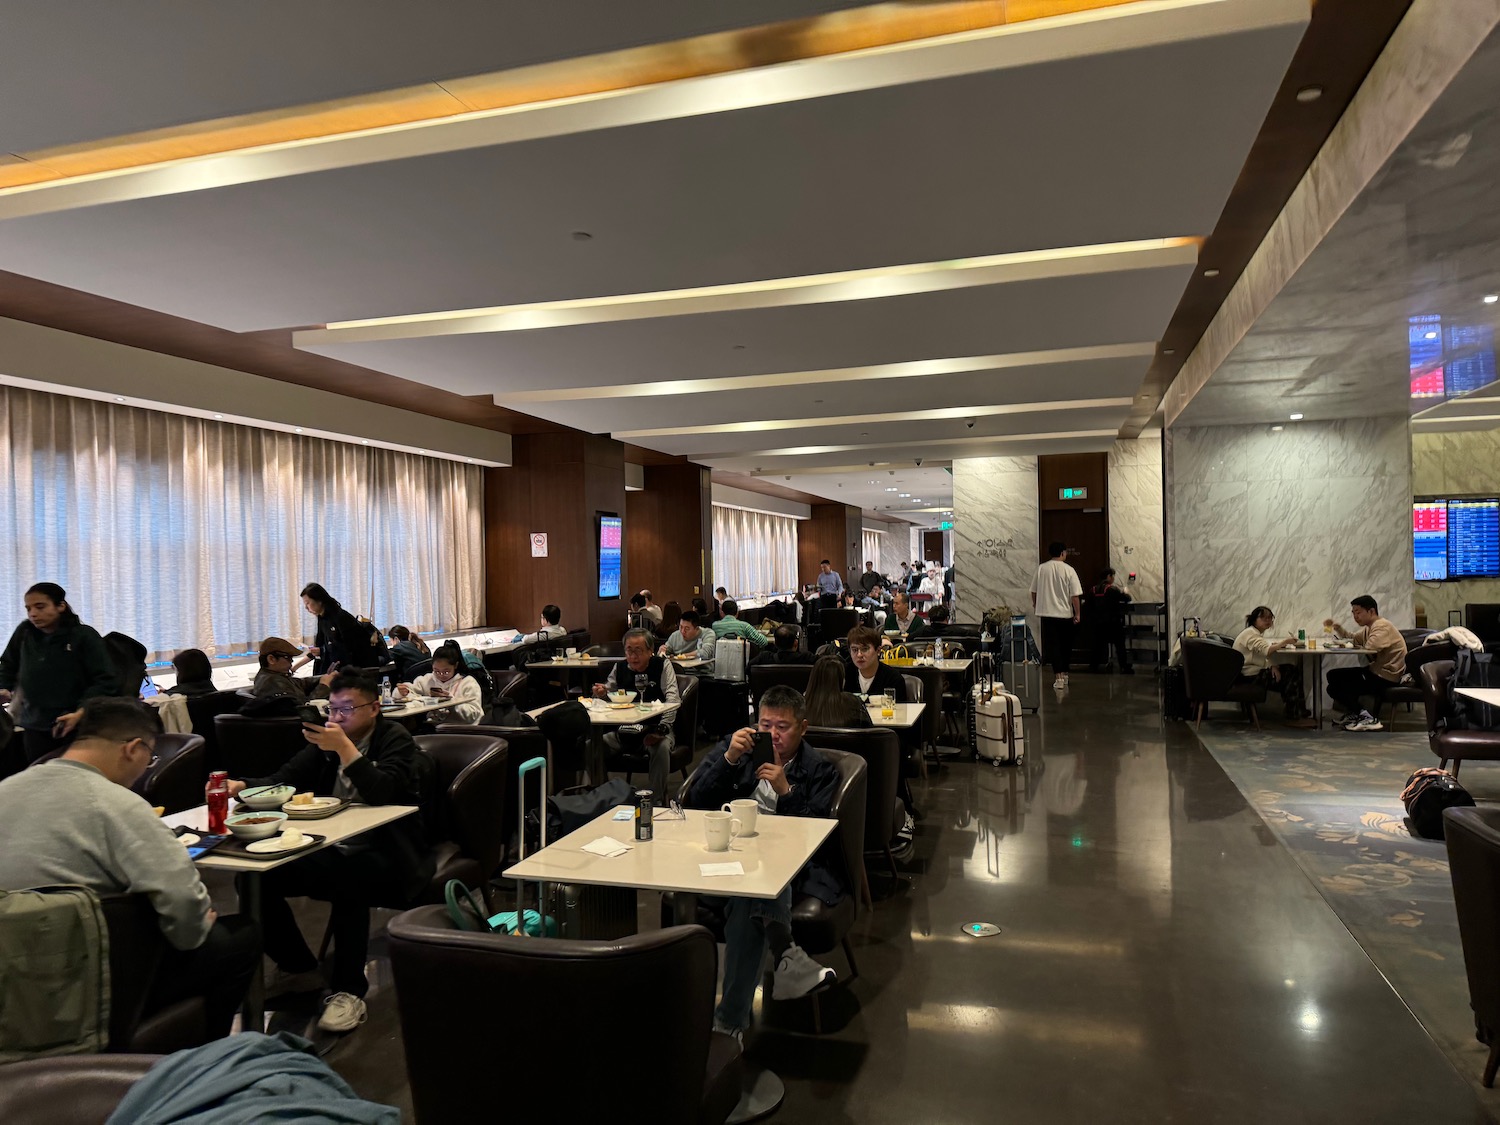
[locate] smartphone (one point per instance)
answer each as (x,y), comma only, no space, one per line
(311,715)
(149,688)
(764,753)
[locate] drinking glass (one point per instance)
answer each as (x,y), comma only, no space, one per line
(888,705)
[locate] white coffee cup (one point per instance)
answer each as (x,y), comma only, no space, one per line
(743,811)
(572,652)
(718,829)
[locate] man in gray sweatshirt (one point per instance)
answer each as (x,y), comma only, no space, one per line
(75,820)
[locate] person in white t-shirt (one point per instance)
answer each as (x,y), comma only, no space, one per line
(1055,594)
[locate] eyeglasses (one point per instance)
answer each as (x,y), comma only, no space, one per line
(280,655)
(861,648)
(347,711)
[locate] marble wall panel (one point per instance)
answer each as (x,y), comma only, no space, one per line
(1332,521)
(1135,516)
(995,532)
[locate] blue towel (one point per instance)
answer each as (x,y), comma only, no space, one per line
(249,1079)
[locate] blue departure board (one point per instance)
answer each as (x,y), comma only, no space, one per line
(1429,539)
(1473,538)
(611,544)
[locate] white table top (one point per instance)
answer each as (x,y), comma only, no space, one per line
(575,662)
(689,662)
(405,711)
(1483,694)
(601,714)
(906,715)
(340,826)
(771,858)
(1322,651)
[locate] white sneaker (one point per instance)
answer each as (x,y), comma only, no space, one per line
(1366,721)
(797,974)
(342,1011)
(1059,683)
(735,1033)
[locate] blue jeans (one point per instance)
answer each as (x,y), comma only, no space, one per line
(744,949)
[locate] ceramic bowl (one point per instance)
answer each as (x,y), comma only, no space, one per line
(256,825)
(266,796)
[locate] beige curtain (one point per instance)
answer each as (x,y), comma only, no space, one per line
(185,533)
(754,552)
(870,541)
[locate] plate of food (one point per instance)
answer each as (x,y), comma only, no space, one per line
(305,806)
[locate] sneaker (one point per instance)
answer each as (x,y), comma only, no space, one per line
(1059,683)
(797,974)
(1344,720)
(1366,721)
(342,1011)
(908,830)
(735,1033)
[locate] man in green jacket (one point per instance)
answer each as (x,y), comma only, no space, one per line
(731,626)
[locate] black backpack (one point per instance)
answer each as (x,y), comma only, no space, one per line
(127,656)
(1428,792)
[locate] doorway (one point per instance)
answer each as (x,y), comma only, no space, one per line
(932,547)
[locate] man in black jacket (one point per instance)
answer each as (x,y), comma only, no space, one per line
(361,757)
(784,649)
(798,782)
(866,675)
(654,680)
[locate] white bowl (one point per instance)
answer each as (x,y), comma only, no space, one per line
(266,796)
(267,824)
(622,697)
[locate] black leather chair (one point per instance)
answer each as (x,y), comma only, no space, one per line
(253,747)
(177,779)
(1409,693)
(522,744)
(1211,672)
(419,668)
(684,737)
(70,1089)
(1436,679)
(468,999)
(511,685)
(880,748)
(473,780)
(202,711)
(136,949)
(834,624)
(1473,840)
(764,676)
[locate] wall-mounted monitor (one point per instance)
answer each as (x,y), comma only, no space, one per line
(1473,538)
(611,543)
(1429,539)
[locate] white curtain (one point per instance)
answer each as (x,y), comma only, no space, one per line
(188,533)
(754,552)
(870,541)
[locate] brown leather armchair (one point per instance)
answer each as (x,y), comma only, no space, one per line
(1436,679)
(255,747)
(70,1089)
(880,748)
(468,999)
(473,786)
(1212,674)
(522,744)
(1473,841)
(765,676)
(177,779)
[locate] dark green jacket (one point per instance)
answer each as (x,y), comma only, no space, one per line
(56,672)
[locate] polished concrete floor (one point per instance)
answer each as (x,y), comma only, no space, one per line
(1162,958)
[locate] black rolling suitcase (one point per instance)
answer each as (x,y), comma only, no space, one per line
(1174,700)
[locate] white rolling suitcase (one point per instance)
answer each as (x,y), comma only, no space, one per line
(732,659)
(996,730)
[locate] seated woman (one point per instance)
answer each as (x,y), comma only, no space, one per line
(828,704)
(1260,666)
(407,648)
(195,675)
(449,679)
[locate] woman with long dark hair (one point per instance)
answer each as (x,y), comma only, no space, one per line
(342,639)
(828,704)
(195,673)
(1261,665)
(58,662)
(449,679)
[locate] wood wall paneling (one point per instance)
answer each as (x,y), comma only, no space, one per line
(833,532)
(669,533)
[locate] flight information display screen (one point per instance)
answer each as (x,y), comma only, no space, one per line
(1429,539)
(1473,538)
(611,540)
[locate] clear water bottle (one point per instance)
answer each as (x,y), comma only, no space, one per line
(385,690)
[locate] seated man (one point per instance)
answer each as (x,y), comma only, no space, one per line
(731,626)
(784,648)
(654,680)
(866,675)
(1387,665)
(275,675)
(74,820)
(799,782)
(651,609)
(904,619)
(551,627)
(691,638)
(360,756)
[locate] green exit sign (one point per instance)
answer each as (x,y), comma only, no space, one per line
(1072,494)
(946,525)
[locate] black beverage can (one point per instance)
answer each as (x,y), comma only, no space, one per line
(643,811)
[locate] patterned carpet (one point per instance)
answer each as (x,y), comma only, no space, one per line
(1334,802)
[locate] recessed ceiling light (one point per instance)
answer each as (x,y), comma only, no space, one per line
(298,430)
(874,482)
(906,496)
(1296,417)
(364,443)
(890,490)
(121,398)
(1431,336)
(1210,273)
(1276,429)
(581,236)
(1309,94)
(421,451)
(216,415)
(1491,298)
(1169,351)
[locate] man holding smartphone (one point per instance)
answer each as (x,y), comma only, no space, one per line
(359,756)
(786,777)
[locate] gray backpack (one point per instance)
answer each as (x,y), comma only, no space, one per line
(54,973)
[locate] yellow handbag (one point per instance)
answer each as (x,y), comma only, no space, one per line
(899,658)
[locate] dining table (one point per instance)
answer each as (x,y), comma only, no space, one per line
(604,716)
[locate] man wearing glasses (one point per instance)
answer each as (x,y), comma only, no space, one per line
(74,821)
(361,757)
(275,675)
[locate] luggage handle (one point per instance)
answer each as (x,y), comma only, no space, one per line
(538,763)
